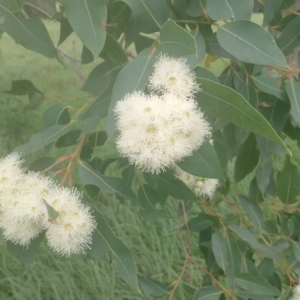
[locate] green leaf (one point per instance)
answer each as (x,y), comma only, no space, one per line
(194,60)
(153,287)
(290,37)
(174,187)
(108,184)
(22,87)
(176,41)
(219,250)
(226,9)
(148,197)
(104,240)
(288,179)
(266,268)
(249,42)
(293,90)
(253,211)
(112,50)
(134,76)
(26,253)
(42,139)
(56,114)
(199,223)
(255,285)
(35,100)
(196,8)
(68,139)
(204,73)
(149,15)
(97,80)
(224,102)
(41,164)
(271,7)
(270,86)
(203,163)
(247,159)
(52,213)
(65,30)
(296,249)
(250,238)
(88,20)
(30,33)
(208,293)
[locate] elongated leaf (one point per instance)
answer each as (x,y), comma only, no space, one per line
(290,37)
(153,287)
(26,254)
(30,33)
(88,20)
(148,197)
(199,223)
(249,42)
(219,250)
(22,87)
(203,163)
(288,187)
(271,7)
(229,105)
(104,240)
(56,114)
(149,15)
(42,139)
(174,187)
(65,30)
(255,285)
(52,213)
(68,139)
(108,184)
(296,249)
(293,90)
(176,41)
(247,158)
(194,60)
(270,86)
(207,293)
(195,8)
(266,268)
(253,211)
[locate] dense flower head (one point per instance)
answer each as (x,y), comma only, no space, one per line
(156,131)
(160,129)
(204,187)
(173,75)
(24,215)
(296,295)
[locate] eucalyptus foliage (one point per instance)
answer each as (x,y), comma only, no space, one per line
(249,244)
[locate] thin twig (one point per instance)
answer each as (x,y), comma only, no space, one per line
(24,14)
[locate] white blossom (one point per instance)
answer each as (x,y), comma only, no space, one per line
(156,131)
(296,295)
(172,75)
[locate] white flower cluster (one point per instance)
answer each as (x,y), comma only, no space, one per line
(205,187)
(162,128)
(296,295)
(23,212)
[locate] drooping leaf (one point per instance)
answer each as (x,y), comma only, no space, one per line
(229,105)
(108,184)
(56,114)
(35,100)
(293,90)
(255,285)
(104,240)
(247,158)
(176,41)
(266,268)
(22,87)
(153,287)
(148,197)
(195,8)
(42,139)
(52,213)
(68,139)
(88,20)
(208,292)
(219,250)
(199,223)
(30,33)
(203,163)
(250,43)
(149,15)
(288,187)
(271,7)
(253,211)
(26,254)
(41,164)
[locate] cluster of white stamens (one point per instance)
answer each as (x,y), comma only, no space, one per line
(24,215)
